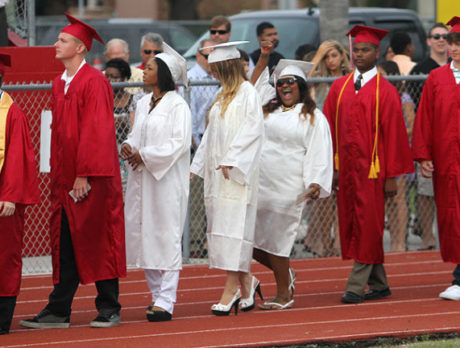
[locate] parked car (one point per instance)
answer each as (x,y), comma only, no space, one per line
(129,29)
(298,27)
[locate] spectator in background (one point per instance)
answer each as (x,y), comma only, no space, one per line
(220,29)
(267,32)
(396,206)
(322,237)
(389,54)
(303,50)
(404,50)
(118,48)
(437,41)
(245,60)
(3,24)
(18,188)
(435,145)
(151,44)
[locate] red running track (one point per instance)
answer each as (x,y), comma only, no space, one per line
(416,278)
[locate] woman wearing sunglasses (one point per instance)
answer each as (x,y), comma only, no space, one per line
(295,166)
(228,161)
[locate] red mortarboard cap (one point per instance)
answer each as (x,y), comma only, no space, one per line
(362,33)
(5,60)
(81,31)
(455,24)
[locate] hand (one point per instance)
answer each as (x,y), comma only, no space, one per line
(135,160)
(125,151)
(7,209)
(324,48)
(80,188)
(225,170)
(266,48)
(390,187)
(192,176)
(427,168)
(313,191)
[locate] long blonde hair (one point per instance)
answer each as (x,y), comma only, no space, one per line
(231,75)
(323,71)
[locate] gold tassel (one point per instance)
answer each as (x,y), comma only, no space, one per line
(377,164)
(336,161)
(372,173)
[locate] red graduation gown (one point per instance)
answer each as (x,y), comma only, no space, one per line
(83,144)
(436,137)
(18,184)
(361,202)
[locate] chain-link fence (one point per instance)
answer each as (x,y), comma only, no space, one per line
(19,20)
(410,219)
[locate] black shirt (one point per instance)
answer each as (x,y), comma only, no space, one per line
(272,60)
(415,87)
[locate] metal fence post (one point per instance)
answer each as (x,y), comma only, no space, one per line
(186,235)
(31,22)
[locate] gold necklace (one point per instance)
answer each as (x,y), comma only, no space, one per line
(287,108)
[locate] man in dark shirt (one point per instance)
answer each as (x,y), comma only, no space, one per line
(267,32)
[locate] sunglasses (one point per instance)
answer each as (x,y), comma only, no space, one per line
(204,55)
(153,51)
(289,80)
(220,32)
(438,36)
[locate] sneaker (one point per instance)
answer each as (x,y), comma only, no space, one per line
(106,321)
(376,294)
(451,293)
(46,320)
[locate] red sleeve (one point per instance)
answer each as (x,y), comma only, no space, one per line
(398,156)
(97,144)
(18,178)
(422,132)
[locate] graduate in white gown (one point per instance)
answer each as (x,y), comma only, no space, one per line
(296,165)
(158,150)
(228,160)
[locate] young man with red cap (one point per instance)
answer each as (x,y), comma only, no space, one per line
(18,188)
(435,145)
(371,149)
(87,222)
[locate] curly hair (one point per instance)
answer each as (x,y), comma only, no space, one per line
(121,65)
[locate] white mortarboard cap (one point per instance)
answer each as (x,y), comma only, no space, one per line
(176,63)
(224,51)
(292,67)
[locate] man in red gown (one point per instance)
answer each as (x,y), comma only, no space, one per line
(371,149)
(18,188)
(435,144)
(87,222)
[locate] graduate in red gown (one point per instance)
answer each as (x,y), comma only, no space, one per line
(87,230)
(18,188)
(371,148)
(435,144)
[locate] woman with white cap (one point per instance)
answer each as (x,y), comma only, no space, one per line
(158,151)
(228,160)
(296,165)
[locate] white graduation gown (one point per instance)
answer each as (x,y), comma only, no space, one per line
(295,154)
(234,140)
(157,193)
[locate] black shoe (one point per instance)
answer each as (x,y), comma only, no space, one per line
(4,332)
(46,320)
(106,320)
(159,316)
(351,297)
(377,294)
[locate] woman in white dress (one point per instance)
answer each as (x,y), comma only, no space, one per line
(228,160)
(158,150)
(296,165)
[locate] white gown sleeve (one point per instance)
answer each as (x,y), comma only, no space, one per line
(266,91)
(134,136)
(318,159)
(197,166)
(158,159)
(244,151)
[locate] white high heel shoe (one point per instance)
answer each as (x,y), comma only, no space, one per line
(220,309)
(246,304)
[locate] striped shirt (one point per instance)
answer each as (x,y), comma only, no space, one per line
(456,72)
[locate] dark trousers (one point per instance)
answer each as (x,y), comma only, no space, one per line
(363,274)
(456,274)
(7,304)
(60,299)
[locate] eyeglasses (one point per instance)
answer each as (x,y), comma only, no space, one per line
(220,32)
(438,36)
(289,80)
(204,55)
(153,51)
